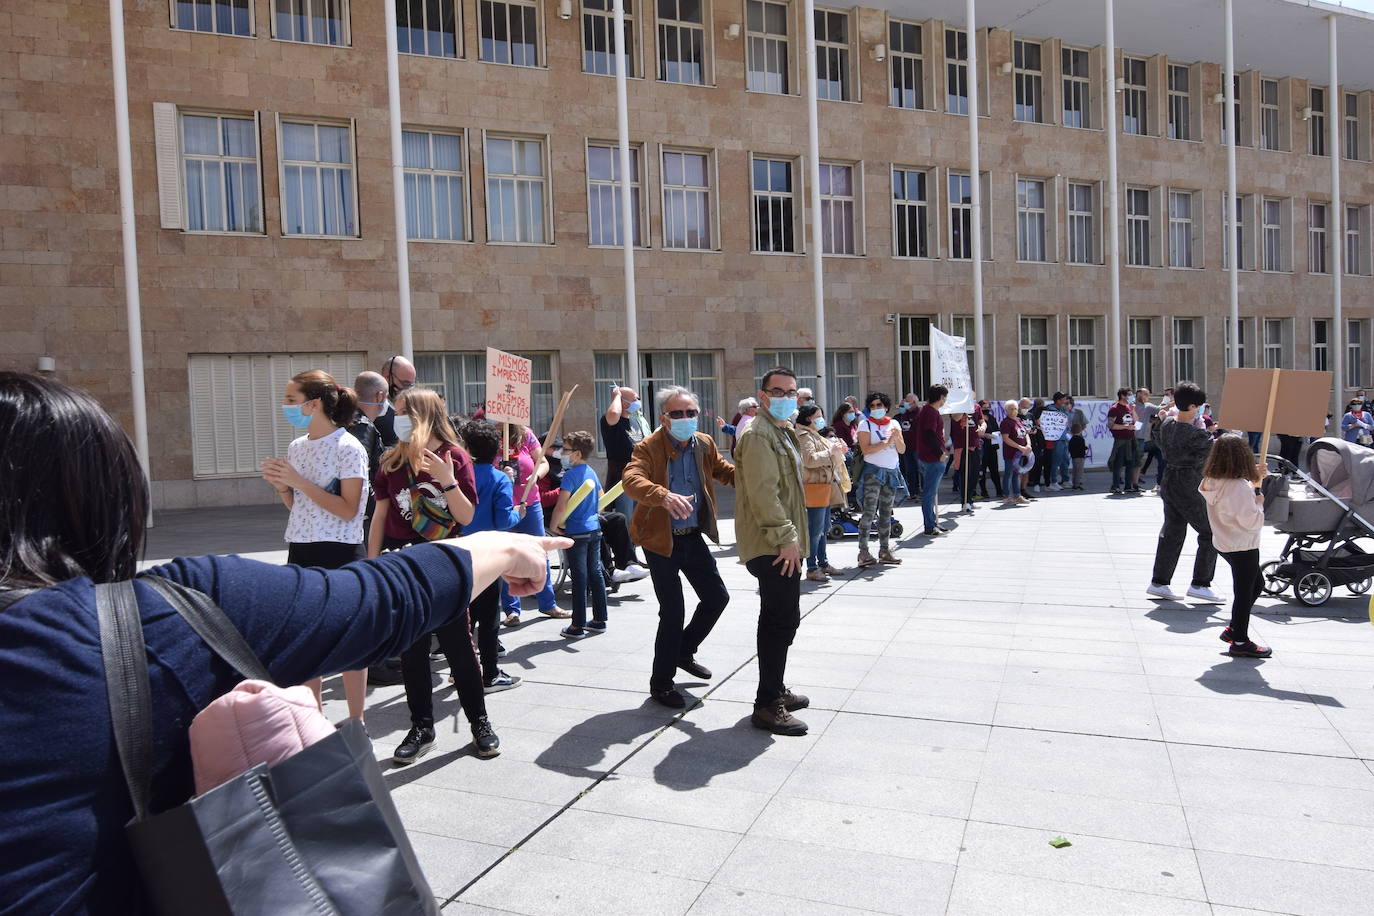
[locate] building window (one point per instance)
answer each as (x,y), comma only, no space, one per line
(1082,217)
(1030,219)
(910,213)
(1240,346)
(1185,341)
(1269,114)
(1354,353)
(1029,81)
(1134,100)
(1316,125)
(1082,356)
(319,22)
(1140,344)
(1274,234)
(694,370)
(1236,227)
(1138,252)
(832,56)
(598,38)
(1352,126)
(908,65)
(1238,111)
(682,42)
(605,226)
(509,31)
(428,28)
(960,217)
(319,195)
(1077,86)
(838,209)
(963,326)
(219,159)
(223,17)
(435,185)
(516,190)
(1355,261)
(843,368)
(686,200)
(1180,102)
(768,46)
(1318,237)
(1035,357)
(1181,230)
(1273,343)
(460,378)
(913,353)
(956,71)
(774,205)
(1321,344)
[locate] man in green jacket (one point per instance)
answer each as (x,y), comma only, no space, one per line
(770,529)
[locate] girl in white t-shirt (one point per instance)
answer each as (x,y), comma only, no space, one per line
(323,481)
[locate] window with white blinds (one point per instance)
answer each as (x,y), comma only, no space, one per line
(238,420)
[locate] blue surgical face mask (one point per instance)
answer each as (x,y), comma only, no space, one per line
(371,403)
(683,429)
(293,415)
(403,427)
(849,417)
(878,413)
(782,408)
(1130,399)
(633,407)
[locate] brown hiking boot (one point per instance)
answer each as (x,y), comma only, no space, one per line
(866,559)
(794,701)
(885,556)
(775,718)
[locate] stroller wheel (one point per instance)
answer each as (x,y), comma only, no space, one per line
(836,532)
(897,528)
(1360,587)
(1312,588)
(1272,583)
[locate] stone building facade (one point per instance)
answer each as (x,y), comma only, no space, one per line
(501,151)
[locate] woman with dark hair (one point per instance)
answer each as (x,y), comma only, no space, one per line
(821,483)
(73,505)
(1185,444)
(323,480)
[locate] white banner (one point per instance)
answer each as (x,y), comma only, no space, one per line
(949,367)
(1098,437)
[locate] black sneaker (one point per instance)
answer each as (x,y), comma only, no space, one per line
(695,668)
(935,532)
(417,743)
(500,681)
(488,745)
(1249,649)
(670,698)
(597,626)
(1226,635)
(1116,491)
(500,649)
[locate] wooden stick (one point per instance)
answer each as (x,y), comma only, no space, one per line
(1269,417)
(548,439)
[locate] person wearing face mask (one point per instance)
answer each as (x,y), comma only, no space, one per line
(1356,425)
(371,389)
(1186,445)
(623,426)
(322,480)
(822,459)
(1125,454)
(399,375)
(805,397)
(670,477)
(930,451)
(770,530)
(911,471)
(881,444)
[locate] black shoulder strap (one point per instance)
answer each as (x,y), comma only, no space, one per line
(212,625)
(10,596)
(126,683)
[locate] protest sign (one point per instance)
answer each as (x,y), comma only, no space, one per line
(508,388)
(949,367)
(1054,424)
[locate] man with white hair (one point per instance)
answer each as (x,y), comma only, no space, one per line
(670,476)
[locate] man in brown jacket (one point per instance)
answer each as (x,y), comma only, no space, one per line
(669,476)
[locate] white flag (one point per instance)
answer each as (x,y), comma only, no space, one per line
(949,367)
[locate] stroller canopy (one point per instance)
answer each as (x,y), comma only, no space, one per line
(1346,469)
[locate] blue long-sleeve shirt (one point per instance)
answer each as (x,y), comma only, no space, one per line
(63,801)
(495,509)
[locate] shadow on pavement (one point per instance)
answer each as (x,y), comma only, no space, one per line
(693,763)
(1242,677)
(1178,617)
(582,749)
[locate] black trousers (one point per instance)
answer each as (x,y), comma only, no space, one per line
(617,550)
(779,617)
(692,559)
(1246,581)
(323,554)
(485,616)
(1183,507)
(990,469)
(1290,447)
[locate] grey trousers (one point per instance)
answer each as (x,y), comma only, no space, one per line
(1184,507)
(1078,471)
(878,500)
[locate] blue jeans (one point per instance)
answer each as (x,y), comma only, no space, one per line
(584,563)
(817,521)
(911,471)
(931,473)
(1059,462)
(1011,479)
(1125,456)
(532,523)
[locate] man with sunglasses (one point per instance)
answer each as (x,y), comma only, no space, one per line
(669,476)
(770,529)
(399,374)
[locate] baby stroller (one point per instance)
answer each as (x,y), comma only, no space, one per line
(1325,513)
(844,522)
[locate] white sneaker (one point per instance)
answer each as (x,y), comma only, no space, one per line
(1163,591)
(1205,594)
(633,573)
(1036,488)
(1055,487)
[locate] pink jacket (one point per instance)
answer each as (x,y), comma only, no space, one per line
(254,723)
(1236,518)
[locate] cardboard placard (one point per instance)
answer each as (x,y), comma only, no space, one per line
(508,387)
(1300,401)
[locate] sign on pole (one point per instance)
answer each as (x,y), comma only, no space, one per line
(1291,402)
(949,367)
(508,387)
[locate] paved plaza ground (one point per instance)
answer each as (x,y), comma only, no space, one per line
(1005,686)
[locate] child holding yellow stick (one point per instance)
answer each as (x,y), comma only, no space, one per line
(575,515)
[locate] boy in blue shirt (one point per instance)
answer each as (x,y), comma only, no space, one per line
(495,511)
(583,525)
